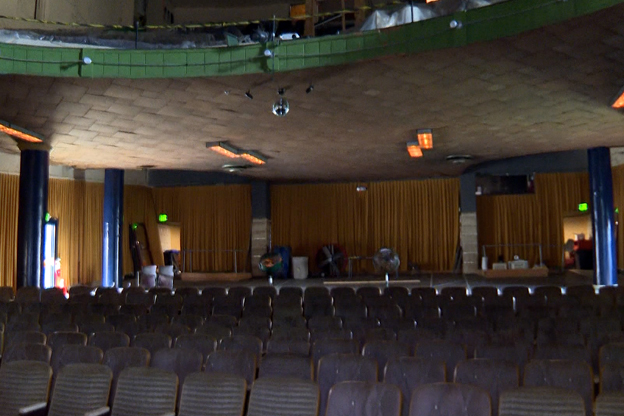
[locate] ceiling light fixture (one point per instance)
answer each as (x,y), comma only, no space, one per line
(414,150)
(618,101)
(425,138)
(248,95)
(253,157)
(224,149)
(19,133)
(310,89)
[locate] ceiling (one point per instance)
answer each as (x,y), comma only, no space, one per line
(543,91)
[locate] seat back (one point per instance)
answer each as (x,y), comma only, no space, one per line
(286,365)
(611,378)
(178,360)
(531,401)
(71,354)
(80,388)
(449,399)
(145,391)
(567,374)
(283,397)
(152,341)
(323,347)
(610,404)
(242,342)
(23,383)
(448,352)
(120,358)
(494,376)
(108,340)
(382,351)
(26,351)
(239,363)
(356,398)
(213,394)
(409,372)
(335,368)
(204,344)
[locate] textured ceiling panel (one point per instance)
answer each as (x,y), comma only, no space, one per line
(542,91)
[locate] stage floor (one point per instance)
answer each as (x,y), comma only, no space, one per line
(436,280)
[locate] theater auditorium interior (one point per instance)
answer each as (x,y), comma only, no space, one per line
(311,208)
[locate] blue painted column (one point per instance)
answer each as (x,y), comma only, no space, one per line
(113,223)
(33,205)
(603,222)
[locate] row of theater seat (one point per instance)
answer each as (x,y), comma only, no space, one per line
(290,318)
(83,389)
(331,361)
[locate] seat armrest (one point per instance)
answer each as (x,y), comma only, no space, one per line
(35,408)
(98,412)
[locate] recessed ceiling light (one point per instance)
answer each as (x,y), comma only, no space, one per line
(459,158)
(414,150)
(425,138)
(224,149)
(253,157)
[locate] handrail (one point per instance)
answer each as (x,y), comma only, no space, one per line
(191,251)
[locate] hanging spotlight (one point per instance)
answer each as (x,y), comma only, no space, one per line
(281,106)
(248,95)
(310,89)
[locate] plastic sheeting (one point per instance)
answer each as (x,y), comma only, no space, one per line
(381,19)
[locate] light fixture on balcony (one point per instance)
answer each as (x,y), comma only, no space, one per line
(425,138)
(253,157)
(414,150)
(19,133)
(618,101)
(224,149)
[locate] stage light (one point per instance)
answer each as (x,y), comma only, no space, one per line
(425,139)
(224,149)
(19,133)
(253,157)
(618,101)
(414,149)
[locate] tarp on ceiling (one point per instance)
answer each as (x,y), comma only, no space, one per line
(381,19)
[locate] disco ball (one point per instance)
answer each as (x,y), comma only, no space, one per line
(386,260)
(281,107)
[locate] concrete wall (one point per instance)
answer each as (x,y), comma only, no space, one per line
(105,12)
(184,15)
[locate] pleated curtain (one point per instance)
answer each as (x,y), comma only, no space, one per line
(418,219)
(214,222)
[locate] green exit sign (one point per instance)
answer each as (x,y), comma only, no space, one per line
(162,218)
(583,206)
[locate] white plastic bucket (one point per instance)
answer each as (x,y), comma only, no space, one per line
(300,268)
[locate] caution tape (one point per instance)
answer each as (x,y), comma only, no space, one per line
(204,25)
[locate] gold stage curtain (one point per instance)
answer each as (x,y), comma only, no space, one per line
(214,221)
(509,219)
(418,219)
(618,202)
(78,205)
(558,194)
(139,207)
(531,218)
(9,200)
